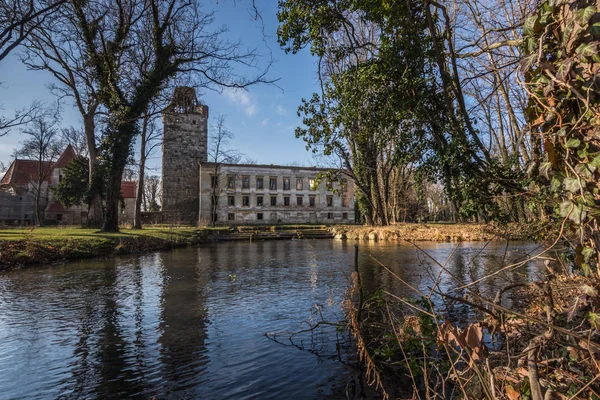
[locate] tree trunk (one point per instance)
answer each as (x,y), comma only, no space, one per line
(121,136)
(137,217)
(95,207)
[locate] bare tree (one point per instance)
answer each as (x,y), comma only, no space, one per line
(151,194)
(19,18)
(173,38)
(59,48)
(219,154)
(76,138)
(150,139)
(44,147)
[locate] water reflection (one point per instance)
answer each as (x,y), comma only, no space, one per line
(191,323)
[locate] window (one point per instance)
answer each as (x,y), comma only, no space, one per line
(231,217)
(246,201)
(231,182)
(311,201)
(344,215)
(329,201)
(259,216)
(286,201)
(59,217)
(245,182)
(60,177)
(259,200)
(231,200)
(311,184)
(299,200)
(329,215)
(344,201)
(272,183)
(286,183)
(259,183)
(214,181)
(300,184)
(273,200)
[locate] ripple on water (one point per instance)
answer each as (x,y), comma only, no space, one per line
(191,323)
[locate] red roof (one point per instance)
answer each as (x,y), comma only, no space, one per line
(66,156)
(21,172)
(128,189)
(55,207)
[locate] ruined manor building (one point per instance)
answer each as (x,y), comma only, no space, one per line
(196,190)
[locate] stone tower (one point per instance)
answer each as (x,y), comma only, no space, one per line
(184,147)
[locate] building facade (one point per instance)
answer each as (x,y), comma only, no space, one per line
(197,191)
(271,194)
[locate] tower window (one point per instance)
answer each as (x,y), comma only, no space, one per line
(259,183)
(311,201)
(286,183)
(245,182)
(299,184)
(273,200)
(299,200)
(231,182)
(231,200)
(286,201)
(259,200)
(246,201)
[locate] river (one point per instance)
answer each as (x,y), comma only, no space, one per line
(191,323)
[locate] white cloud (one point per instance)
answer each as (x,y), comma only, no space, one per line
(281,110)
(243,99)
(264,122)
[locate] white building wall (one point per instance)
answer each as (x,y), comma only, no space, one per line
(340,210)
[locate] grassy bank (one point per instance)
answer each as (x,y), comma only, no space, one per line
(440,232)
(29,246)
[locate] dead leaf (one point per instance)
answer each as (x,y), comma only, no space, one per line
(511,393)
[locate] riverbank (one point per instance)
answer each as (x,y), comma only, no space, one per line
(33,246)
(441,232)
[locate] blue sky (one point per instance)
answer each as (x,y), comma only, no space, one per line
(263,118)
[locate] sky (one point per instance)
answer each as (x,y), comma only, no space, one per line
(262,118)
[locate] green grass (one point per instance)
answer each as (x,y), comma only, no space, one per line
(58,233)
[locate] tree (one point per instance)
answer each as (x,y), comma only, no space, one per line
(150,139)
(73,189)
(44,147)
(19,18)
(217,155)
(562,69)
(370,57)
(76,138)
(59,48)
(151,196)
(172,37)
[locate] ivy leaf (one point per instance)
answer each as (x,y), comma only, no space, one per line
(575,306)
(595,162)
(583,16)
(587,49)
(594,29)
(572,185)
(573,143)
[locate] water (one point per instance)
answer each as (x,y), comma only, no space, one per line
(191,323)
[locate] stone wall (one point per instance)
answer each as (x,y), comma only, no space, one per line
(184,148)
(239,196)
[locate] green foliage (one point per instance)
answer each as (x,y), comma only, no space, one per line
(561,69)
(74,188)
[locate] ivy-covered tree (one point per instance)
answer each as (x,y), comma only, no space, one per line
(387,100)
(562,77)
